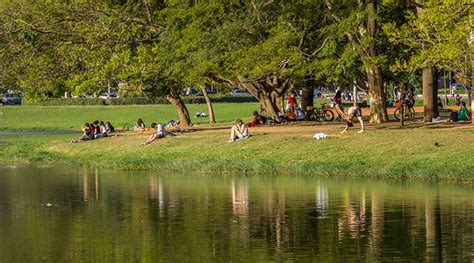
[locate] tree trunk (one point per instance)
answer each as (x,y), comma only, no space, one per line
(402,108)
(378,109)
(435,92)
(269,93)
(177,102)
(210,109)
(270,106)
(307,99)
(428,95)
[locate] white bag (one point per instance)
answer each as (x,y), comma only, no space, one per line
(319,136)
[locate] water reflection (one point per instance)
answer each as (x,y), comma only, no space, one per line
(119,216)
(433,230)
(240,198)
(322,201)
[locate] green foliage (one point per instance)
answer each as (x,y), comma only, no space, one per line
(63,102)
(158,48)
(133,101)
(436,36)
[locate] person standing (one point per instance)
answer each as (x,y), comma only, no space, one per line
(352,112)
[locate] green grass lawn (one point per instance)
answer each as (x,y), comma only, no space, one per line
(49,118)
(384,151)
(381,153)
(65,118)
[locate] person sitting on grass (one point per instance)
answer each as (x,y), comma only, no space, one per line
(110,129)
(87,134)
(103,129)
(239,131)
(440,104)
(172,124)
(463,114)
(139,126)
(352,112)
(257,120)
(160,133)
(96,130)
(299,114)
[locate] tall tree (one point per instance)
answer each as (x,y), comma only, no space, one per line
(437,33)
(358,30)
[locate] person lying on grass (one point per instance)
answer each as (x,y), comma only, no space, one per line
(160,133)
(352,112)
(87,134)
(239,131)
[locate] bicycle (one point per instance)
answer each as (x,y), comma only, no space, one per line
(409,111)
(320,113)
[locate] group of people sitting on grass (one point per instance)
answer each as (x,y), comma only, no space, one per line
(159,130)
(462,114)
(200,114)
(96,130)
(140,125)
(240,130)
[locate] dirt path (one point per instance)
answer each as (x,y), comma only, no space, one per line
(338,126)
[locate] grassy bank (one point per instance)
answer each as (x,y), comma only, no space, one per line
(434,153)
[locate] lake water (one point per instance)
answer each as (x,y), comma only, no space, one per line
(86,214)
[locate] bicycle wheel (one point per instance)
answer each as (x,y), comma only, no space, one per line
(328,115)
(396,114)
(316,114)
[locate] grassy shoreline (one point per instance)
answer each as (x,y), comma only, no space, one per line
(433,153)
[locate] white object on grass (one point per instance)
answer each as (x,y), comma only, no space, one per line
(319,136)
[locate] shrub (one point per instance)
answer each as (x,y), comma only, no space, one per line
(64,102)
(135,101)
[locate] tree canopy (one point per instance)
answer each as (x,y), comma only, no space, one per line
(268,47)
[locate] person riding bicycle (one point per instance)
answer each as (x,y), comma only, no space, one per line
(337,103)
(409,99)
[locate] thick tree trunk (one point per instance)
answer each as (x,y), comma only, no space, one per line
(307,99)
(270,105)
(429,103)
(269,93)
(210,109)
(378,109)
(177,102)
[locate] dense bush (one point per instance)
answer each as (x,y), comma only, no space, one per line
(135,101)
(64,102)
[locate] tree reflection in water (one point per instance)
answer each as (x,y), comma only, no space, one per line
(139,216)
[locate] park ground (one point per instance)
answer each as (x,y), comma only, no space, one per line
(435,152)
